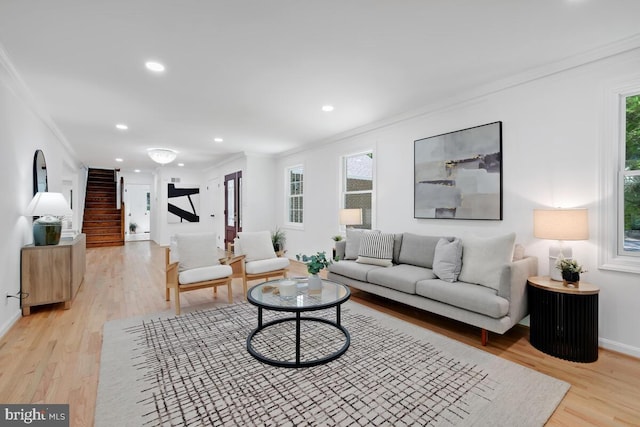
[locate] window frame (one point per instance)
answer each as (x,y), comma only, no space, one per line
(343,185)
(612,255)
(288,197)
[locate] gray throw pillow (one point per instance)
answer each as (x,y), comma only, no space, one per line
(353,242)
(447,259)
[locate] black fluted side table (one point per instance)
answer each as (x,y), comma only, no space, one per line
(564,320)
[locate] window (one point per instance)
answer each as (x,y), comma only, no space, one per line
(358,186)
(295,195)
(630,179)
(619,226)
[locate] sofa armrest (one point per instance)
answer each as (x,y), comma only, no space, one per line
(340,249)
(513,285)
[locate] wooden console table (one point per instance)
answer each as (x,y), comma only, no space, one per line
(52,274)
(564,320)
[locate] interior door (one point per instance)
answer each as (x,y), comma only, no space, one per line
(215,206)
(232,204)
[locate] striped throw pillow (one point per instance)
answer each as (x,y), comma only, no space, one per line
(376,249)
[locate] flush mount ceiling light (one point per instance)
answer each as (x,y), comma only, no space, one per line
(136,170)
(118,159)
(122,126)
(327,108)
(162,155)
(181,164)
(154,66)
(218,139)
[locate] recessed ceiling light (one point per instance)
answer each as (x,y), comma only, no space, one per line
(218,139)
(122,126)
(154,66)
(180,164)
(136,170)
(119,159)
(327,108)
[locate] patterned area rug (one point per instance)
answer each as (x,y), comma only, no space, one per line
(195,370)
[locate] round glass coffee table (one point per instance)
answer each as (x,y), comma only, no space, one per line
(266,297)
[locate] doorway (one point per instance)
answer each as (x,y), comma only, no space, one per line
(137,210)
(232,206)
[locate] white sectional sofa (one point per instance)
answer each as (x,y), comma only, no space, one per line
(474,280)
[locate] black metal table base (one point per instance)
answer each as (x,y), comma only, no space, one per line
(297,319)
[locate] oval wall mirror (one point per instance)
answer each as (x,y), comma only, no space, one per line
(39,173)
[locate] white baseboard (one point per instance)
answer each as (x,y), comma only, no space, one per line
(619,347)
(10,322)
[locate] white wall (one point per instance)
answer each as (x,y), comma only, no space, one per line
(22,132)
(551,144)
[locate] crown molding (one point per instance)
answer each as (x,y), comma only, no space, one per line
(476,95)
(10,75)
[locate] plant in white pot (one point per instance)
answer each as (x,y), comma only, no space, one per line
(315,263)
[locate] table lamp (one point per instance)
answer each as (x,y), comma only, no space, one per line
(560,225)
(350,217)
(49,207)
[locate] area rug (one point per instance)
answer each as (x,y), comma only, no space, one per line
(195,370)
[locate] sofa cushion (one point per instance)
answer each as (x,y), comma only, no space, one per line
(353,269)
(483,259)
(354,236)
(376,249)
(402,277)
(196,250)
(468,296)
(264,265)
(202,274)
(447,260)
(418,250)
(255,245)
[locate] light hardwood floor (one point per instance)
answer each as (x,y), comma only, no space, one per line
(53,356)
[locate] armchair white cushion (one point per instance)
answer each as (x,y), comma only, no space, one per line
(196,250)
(265,265)
(255,245)
(203,274)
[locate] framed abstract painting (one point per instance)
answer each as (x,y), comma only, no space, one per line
(458,175)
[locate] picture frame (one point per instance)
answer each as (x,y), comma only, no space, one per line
(458,175)
(183,204)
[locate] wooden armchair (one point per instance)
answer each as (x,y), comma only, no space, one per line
(193,262)
(259,260)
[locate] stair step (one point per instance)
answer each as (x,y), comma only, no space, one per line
(97,225)
(105,244)
(113,229)
(111,237)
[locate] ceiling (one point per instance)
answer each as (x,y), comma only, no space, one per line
(256,73)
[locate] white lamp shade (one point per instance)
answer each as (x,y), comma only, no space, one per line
(561,224)
(47,203)
(162,155)
(350,216)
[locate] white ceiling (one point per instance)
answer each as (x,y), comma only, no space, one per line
(257,72)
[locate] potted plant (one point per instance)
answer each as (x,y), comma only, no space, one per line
(315,263)
(133,227)
(278,238)
(570,270)
(335,238)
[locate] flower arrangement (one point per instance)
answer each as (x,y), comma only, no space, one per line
(569,265)
(316,262)
(278,239)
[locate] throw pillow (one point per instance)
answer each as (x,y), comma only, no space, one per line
(197,250)
(256,245)
(376,249)
(447,260)
(352,245)
(483,259)
(418,250)
(518,252)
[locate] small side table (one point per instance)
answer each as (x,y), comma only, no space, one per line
(564,320)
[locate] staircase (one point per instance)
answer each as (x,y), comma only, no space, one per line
(102,219)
